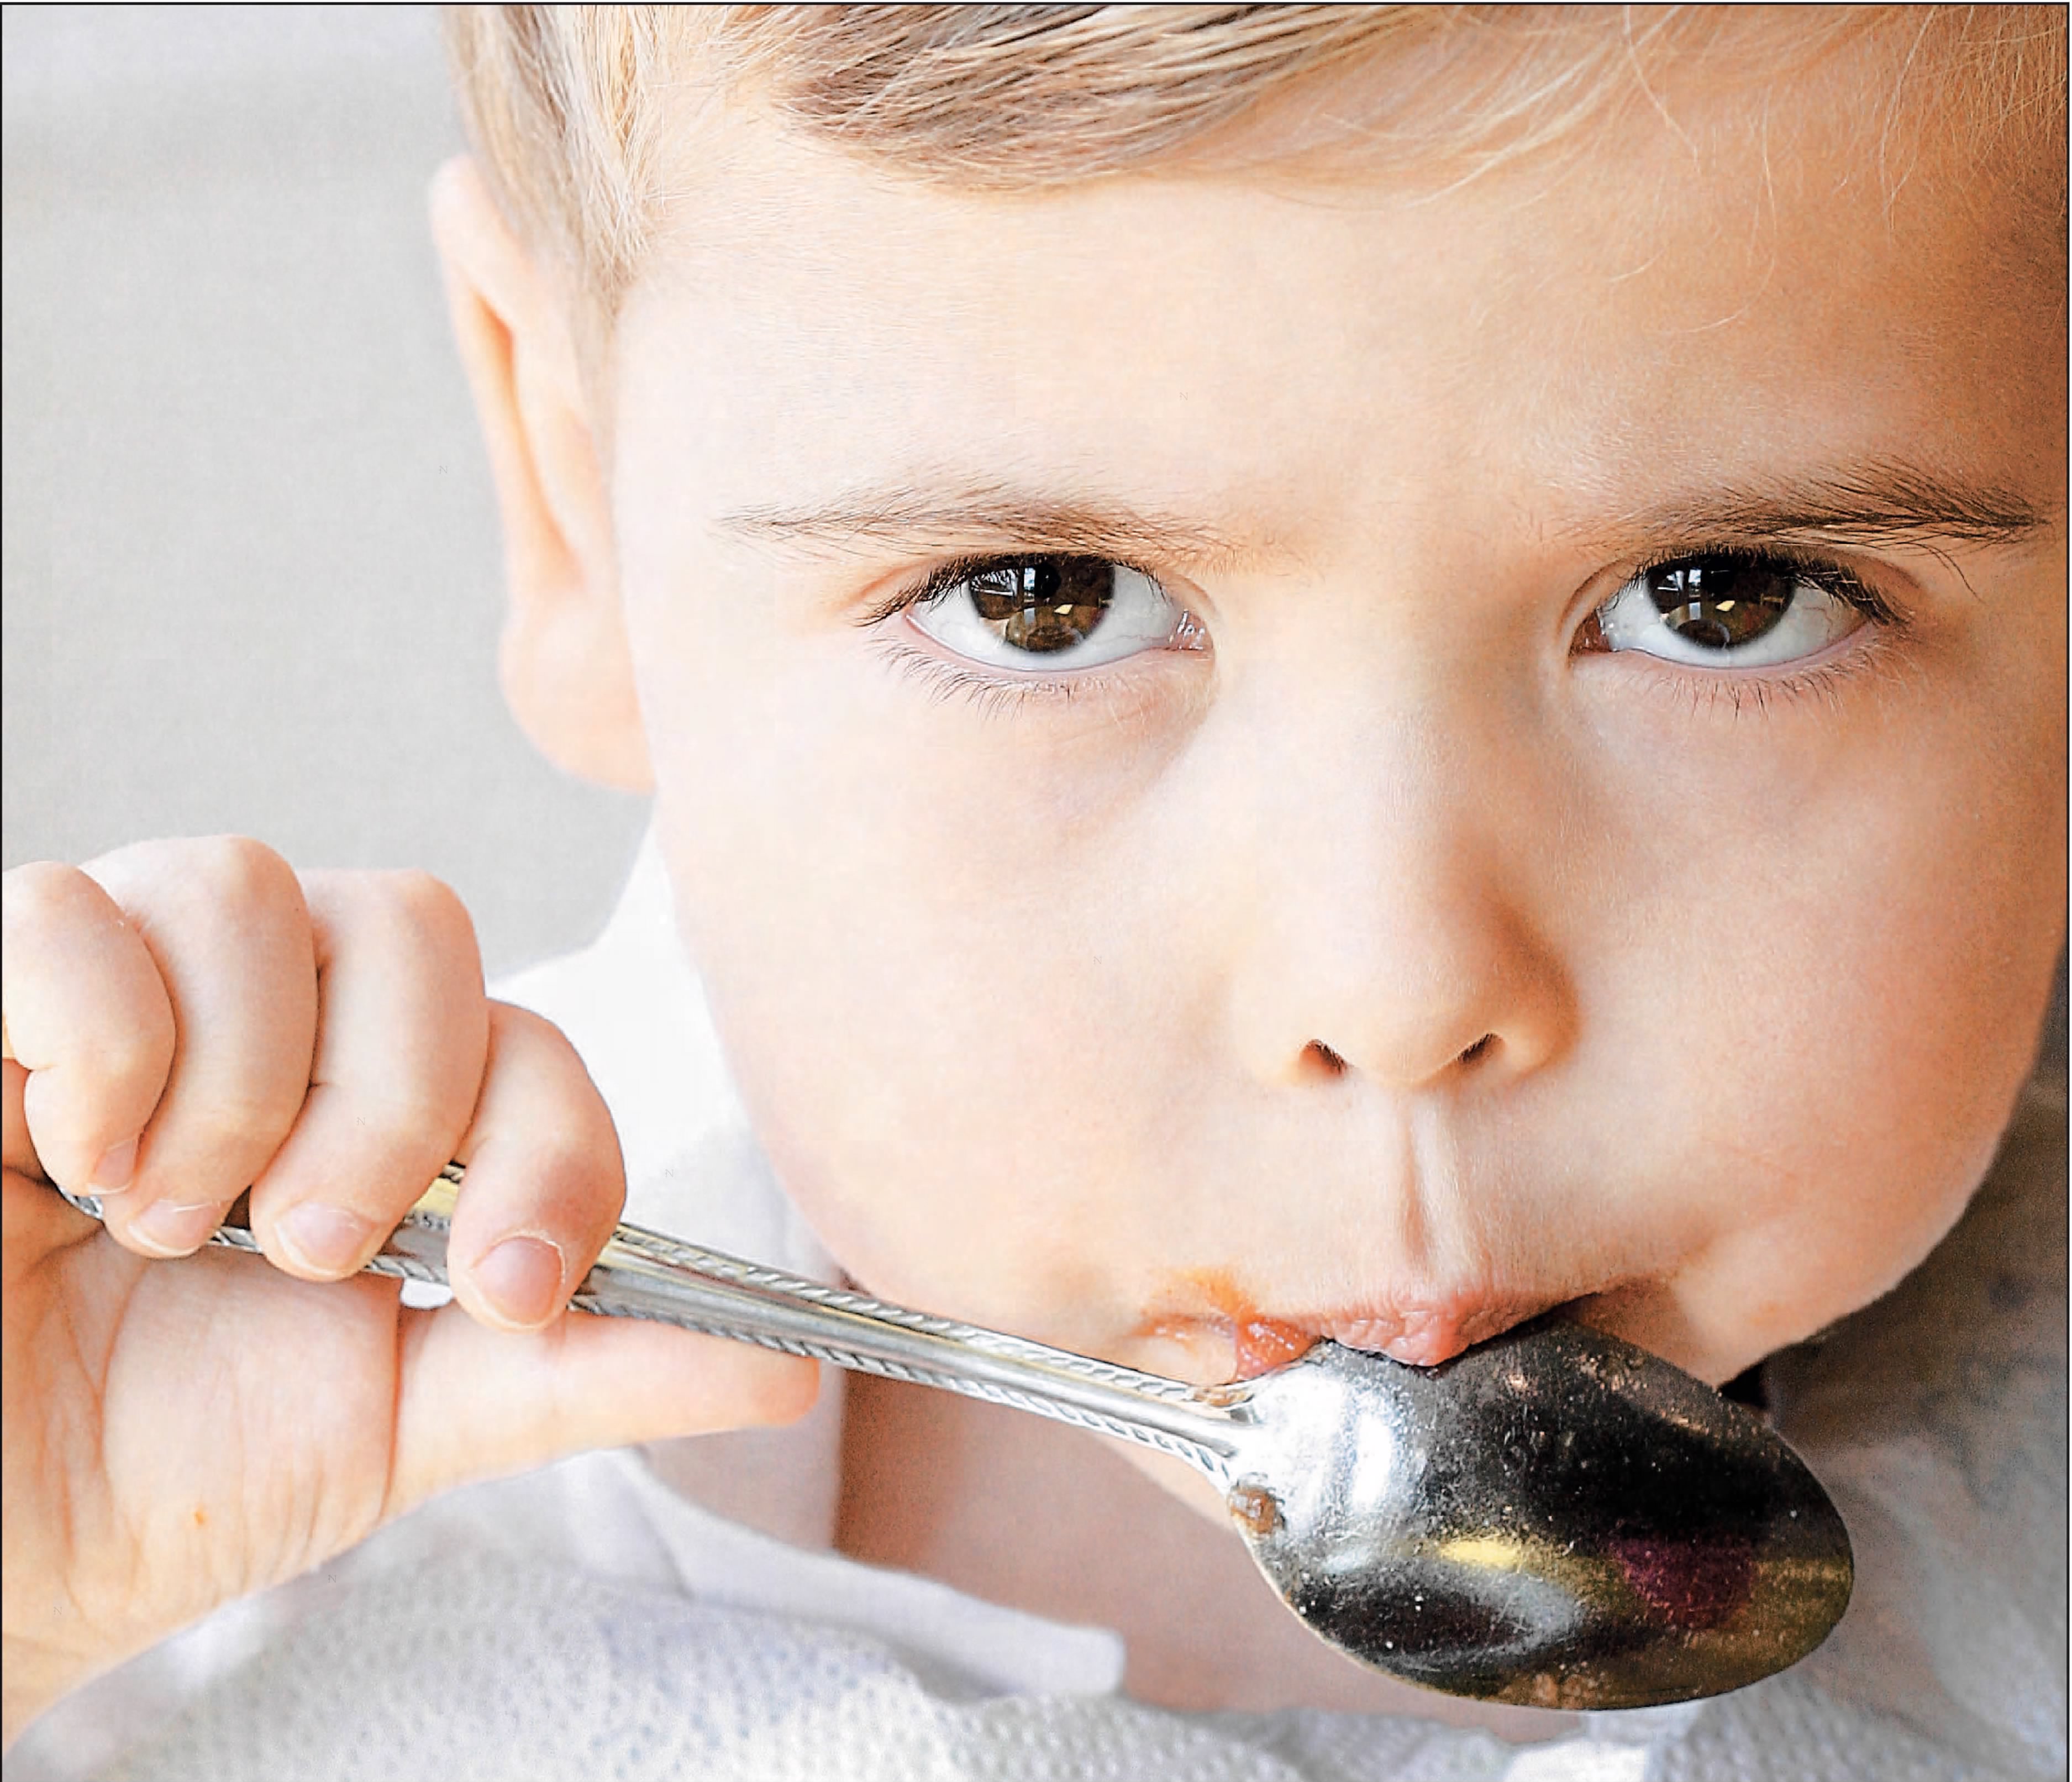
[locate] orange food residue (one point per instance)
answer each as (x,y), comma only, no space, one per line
(1200,1301)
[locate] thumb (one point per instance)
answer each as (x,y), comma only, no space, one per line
(475,1403)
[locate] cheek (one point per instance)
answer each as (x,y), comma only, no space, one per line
(1839,931)
(914,937)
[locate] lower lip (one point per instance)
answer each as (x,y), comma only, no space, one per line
(1265,1343)
(1259,1345)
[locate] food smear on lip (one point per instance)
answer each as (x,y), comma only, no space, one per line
(1264,1344)
(1211,1304)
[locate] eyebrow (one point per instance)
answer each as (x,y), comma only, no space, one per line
(1885,501)
(910,515)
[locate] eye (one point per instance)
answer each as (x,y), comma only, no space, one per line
(1734,610)
(1051,613)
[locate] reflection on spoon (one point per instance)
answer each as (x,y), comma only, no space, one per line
(1555,1518)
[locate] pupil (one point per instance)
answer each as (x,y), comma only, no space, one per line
(1043,604)
(1718,601)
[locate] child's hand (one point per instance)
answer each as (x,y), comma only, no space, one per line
(185,1019)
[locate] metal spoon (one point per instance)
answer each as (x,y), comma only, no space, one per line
(1555,1518)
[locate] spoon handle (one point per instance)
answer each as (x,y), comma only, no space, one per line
(643,1273)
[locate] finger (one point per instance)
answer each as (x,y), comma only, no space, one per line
(402,1036)
(89,1017)
(476,1402)
(545,1180)
(227,927)
(19,1153)
(33,1221)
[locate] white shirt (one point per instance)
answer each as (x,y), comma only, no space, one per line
(587,1621)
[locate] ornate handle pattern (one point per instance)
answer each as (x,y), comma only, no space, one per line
(644,1273)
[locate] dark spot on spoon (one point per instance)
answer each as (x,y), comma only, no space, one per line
(1252,1508)
(1688,1584)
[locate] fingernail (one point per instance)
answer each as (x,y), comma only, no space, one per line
(322,1239)
(522,1279)
(167,1230)
(116,1171)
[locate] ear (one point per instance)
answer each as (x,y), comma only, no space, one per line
(566,667)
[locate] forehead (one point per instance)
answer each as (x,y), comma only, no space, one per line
(1747,265)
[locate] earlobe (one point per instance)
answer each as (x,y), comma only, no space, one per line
(567,669)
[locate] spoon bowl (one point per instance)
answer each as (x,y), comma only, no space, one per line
(1555,1518)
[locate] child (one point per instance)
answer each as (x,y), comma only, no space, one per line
(1307,672)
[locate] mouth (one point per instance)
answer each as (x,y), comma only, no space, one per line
(1220,1332)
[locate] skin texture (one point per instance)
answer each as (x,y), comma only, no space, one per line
(1397,962)
(1700,994)
(1383,959)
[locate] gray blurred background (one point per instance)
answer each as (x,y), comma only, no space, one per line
(250,553)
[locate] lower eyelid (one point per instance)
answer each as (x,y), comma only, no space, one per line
(913,651)
(1863,653)
(1823,678)
(944,678)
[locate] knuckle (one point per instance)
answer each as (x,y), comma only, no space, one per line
(517,1027)
(56,919)
(428,909)
(227,881)
(407,914)
(44,893)
(551,1055)
(242,873)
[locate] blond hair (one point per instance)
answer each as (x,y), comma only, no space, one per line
(572,110)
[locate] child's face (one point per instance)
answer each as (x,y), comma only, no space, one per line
(1378,952)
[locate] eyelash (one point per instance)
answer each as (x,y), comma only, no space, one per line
(994,694)
(1821,681)
(947,681)
(945,576)
(1825,573)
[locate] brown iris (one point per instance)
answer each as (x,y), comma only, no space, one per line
(1718,601)
(1044,604)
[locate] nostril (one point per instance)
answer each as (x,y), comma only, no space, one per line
(1326,1061)
(1322,1060)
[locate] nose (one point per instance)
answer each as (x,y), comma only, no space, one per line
(1390,927)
